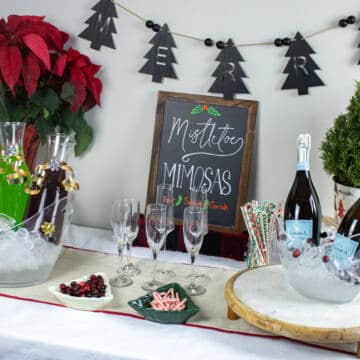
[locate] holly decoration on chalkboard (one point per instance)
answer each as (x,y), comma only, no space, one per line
(198,109)
(301,67)
(101,25)
(229,73)
(160,57)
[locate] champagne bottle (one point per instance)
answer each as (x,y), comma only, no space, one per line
(302,213)
(346,245)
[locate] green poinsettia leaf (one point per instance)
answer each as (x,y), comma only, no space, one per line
(33,112)
(197,109)
(213,111)
(4,116)
(46,113)
(46,98)
(67,92)
(16,111)
(84,135)
(45,127)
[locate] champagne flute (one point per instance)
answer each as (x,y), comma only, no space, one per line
(155,224)
(121,224)
(198,198)
(130,269)
(165,196)
(193,230)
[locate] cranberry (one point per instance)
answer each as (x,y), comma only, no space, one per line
(92,277)
(296,253)
(73,284)
(325,258)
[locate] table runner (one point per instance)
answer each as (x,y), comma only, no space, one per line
(75,263)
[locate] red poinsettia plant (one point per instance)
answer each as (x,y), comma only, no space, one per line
(44,84)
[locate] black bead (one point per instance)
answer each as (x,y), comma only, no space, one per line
(208,42)
(351,19)
(278,42)
(343,23)
(149,24)
(156,27)
(220,45)
(286,41)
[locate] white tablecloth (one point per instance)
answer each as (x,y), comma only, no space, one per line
(33,331)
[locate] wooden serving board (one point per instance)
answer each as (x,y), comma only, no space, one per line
(263,298)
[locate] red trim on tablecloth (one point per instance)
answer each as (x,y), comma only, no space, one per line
(31,300)
(96,251)
(119,313)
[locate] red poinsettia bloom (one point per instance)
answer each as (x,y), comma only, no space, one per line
(44,84)
(80,71)
(31,48)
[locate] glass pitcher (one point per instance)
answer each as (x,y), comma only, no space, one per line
(53,179)
(14,172)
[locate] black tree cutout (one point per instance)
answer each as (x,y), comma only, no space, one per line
(160,57)
(101,25)
(229,73)
(301,67)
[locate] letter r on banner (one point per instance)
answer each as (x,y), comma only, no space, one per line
(229,71)
(299,63)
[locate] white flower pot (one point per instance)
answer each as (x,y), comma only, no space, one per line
(345,197)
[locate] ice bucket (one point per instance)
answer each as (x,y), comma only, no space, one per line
(318,272)
(29,250)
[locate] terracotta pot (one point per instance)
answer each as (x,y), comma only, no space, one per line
(345,197)
(31,146)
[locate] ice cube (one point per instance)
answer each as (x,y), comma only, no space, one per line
(23,233)
(6,222)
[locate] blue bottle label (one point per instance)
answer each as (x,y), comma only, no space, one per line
(297,232)
(343,250)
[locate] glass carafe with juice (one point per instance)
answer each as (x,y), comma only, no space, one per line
(51,182)
(14,172)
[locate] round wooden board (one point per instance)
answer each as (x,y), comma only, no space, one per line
(238,308)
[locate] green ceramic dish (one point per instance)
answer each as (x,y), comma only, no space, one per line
(142,306)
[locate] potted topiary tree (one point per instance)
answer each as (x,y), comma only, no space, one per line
(341,155)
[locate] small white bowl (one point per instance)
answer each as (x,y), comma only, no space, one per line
(84,303)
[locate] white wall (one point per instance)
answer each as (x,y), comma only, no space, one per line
(118,163)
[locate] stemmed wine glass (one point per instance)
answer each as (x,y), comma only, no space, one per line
(165,196)
(130,269)
(121,224)
(198,198)
(155,224)
(193,230)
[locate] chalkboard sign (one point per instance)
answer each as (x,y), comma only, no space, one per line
(204,142)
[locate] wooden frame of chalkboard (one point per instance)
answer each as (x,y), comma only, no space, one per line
(241,111)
